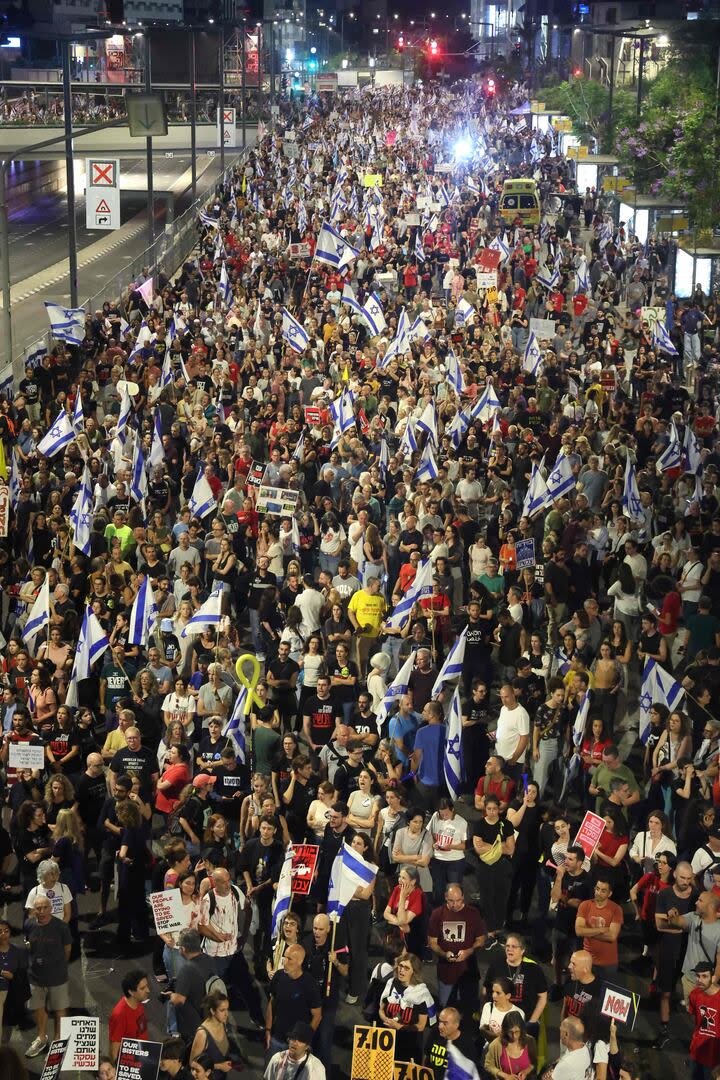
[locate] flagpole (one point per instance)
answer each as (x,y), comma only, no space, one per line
(334,921)
(280,947)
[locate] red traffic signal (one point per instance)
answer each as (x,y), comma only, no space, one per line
(491,87)
(434,47)
(401,42)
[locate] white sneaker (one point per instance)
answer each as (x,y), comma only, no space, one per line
(36,1047)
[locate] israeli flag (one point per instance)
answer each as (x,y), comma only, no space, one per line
(283,894)
(348,297)
(208,220)
(463,311)
(536,496)
(125,412)
(14,481)
(419,249)
(81,514)
(486,405)
(457,427)
(499,245)
(67,324)
(400,683)
(202,501)
(533,357)
(459,1067)
(157,450)
(454,373)
(39,613)
(581,719)
(78,417)
(560,480)
(349,872)
(472,186)
(206,617)
(582,284)
(658,688)
(419,331)
(373,314)
(138,483)
(546,279)
(428,422)
(384,457)
(92,643)
(427,467)
(235,727)
(408,443)
(632,507)
(671,457)
(294,333)
(662,341)
(452,668)
(297,454)
(60,434)
(224,287)
(144,615)
(333,250)
(342,410)
(453,758)
(421,586)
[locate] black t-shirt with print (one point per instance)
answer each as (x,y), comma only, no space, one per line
(323,714)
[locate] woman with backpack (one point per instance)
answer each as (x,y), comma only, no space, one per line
(187,820)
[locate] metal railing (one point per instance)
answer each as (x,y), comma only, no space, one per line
(166,255)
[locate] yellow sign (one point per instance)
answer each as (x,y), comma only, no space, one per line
(578,153)
(492,296)
(372,180)
(562,123)
(537,106)
(672,223)
(408,1070)
(373,1055)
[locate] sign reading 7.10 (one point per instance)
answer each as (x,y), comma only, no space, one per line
(373,1053)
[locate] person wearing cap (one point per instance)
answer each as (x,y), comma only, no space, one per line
(297,1062)
(704,1008)
(703,940)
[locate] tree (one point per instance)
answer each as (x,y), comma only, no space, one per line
(587,103)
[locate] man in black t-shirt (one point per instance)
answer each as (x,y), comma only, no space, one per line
(680,897)
(260,863)
(282,676)
(136,758)
(348,771)
(364,725)
(571,886)
(557,591)
(90,796)
(232,781)
(448,1031)
(320,715)
(293,996)
(582,993)
(324,963)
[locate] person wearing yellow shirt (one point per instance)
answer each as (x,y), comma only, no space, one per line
(366,612)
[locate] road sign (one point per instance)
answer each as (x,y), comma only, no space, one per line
(146,115)
(102,194)
(229,130)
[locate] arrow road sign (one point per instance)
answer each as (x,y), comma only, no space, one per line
(146,115)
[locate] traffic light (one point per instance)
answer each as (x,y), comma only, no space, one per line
(491,87)
(401,43)
(434,49)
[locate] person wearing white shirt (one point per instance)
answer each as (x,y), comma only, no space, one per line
(575,1062)
(513,732)
(690,584)
(310,602)
(636,562)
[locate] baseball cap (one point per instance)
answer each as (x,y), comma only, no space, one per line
(204,780)
(703,966)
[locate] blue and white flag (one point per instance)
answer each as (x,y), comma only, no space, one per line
(658,688)
(60,434)
(14,481)
(427,466)
(581,719)
(560,480)
(486,405)
(295,535)
(662,340)
(452,668)
(206,617)
(224,287)
(463,311)
(144,614)
(297,454)
(453,758)
(428,423)
(202,501)
(399,685)
(459,1067)
(157,450)
(384,456)
(92,643)
(582,284)
(632,507)
(125,413)
(235,727)
(457,427)
(39,616)
(166,374)
(499,245)
(421,586)
(294,333)
(454,373)
(333,250)
(419,249)
(533,357)
(419,331)
(408,443)
(693,460)
(671,457)
(349,872)
(536,496)
(373,314)
(342,411)
(67,324)
(546,279)
(348,297)
(138,482)
(208,220)
(283,894)
(78,416)
(81,514)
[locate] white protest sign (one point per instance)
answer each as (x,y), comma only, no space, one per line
(26,756)
(543,329)
(167,911)
(275,500)
(487,279)
(83,1036)
(620,1004)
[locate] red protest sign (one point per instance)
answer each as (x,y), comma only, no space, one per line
(302,868)
(589,833)
(313,415)
(489,259)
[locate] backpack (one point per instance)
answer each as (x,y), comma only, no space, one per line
(244,915)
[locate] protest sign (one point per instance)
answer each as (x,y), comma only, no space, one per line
(525,553)
(589,833)
(313,415)
(487,279)
(543,329)
(275,500)
(620,1004)
(26,755)
(256,473)
(302,868)
(138,1060)
(167,911)
(408,1070)
(83,1038)
(373,1056)
(54,1060)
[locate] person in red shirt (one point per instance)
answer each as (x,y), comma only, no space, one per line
(128,1019)
(704,1007)
(174,778)
(496,783)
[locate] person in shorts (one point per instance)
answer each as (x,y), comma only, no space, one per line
(49,942)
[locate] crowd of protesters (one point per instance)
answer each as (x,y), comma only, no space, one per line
(148,783)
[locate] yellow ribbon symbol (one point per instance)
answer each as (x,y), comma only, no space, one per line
(251,682)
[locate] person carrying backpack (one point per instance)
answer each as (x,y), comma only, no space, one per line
(196,978)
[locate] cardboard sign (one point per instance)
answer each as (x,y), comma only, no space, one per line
(372,180)
(373,1056)
(167,911)
(313,415)
(275,500)
(620,1004)
(589,833)
(525,553)
(255,476)
(299,251)
(492,296)
(26,756)
(652,315)
(489,259)
(608,381)
(302,868)
(408,1070)
(83,1038)
(487,279)
(543,329)
(138,1060)
(54,1060)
